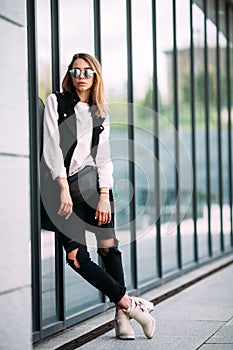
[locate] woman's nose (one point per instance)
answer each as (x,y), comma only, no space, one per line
(82,75)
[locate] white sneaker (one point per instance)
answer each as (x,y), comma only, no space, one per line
(122,326)
(140,313)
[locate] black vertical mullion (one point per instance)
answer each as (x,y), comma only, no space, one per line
(229,11)
(208,187)
(156,142)
(218,67)
(34,169)
(59,263)
(97,29)
(55,31)
(176,124)
(97,46)
(131,142)
(192,90)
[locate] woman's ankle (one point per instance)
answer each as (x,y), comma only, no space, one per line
(124,303)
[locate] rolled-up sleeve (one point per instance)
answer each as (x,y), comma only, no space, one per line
(52,152)
(103,157)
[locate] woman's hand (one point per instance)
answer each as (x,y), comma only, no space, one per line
(66,204)
(103,211)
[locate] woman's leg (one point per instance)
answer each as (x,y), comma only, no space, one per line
(111,257)
(79,259)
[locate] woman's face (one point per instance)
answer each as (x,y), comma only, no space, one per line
(82,83)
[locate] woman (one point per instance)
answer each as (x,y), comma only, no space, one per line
(83,80)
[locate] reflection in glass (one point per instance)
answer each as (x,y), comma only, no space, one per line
(79,293)
(49,313)
(44,48)
(167,133)
(230,121)
(224,124)
(184,101)
(76,30)
(48,277)
(143,146)
(215,223)
(114,64)
(199,75)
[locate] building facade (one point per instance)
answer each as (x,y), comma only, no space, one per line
(168,72)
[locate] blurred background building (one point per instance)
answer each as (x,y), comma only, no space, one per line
(168,72)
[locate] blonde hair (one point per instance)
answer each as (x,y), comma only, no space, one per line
(97,100)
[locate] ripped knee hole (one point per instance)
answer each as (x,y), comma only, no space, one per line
(73,256)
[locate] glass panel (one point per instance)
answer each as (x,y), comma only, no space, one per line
(76,30)
(230,123)
(48,277)
(224,123)
(213,128)
(44,48)
(143,130)
(49,314)
(184,96)
(80,294)
(202,212)
(166,133)
(114,63)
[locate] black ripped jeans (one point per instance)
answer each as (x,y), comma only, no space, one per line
(109,280)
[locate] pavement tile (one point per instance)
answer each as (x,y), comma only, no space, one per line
(223,336)
(216,347)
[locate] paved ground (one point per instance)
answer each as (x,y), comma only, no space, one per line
(199,317)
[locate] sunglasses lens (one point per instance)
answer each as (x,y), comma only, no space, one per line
(75,72)
(88,73)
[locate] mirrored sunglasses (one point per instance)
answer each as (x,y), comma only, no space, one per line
(76,72)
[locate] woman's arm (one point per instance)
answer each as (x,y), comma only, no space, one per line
(66,205)
(105,173)
(52,152)
(103,158)
(53,155)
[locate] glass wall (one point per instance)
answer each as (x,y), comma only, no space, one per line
(168,73)
(167,159)
(73,39)
(225,121)
(213,127)
(185,130)
(144,158)
(200,123)
(115,72)
(48,284)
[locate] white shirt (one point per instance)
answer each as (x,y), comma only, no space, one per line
(82,153)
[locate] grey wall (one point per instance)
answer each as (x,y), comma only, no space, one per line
(15,277)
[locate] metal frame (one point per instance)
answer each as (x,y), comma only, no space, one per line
(34,170)
(59,264)
(208,185)
(218,71)
(229,28)
(97,28)
(156,142)
(176,125)
(192,107)
(63,321)
(133,244)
